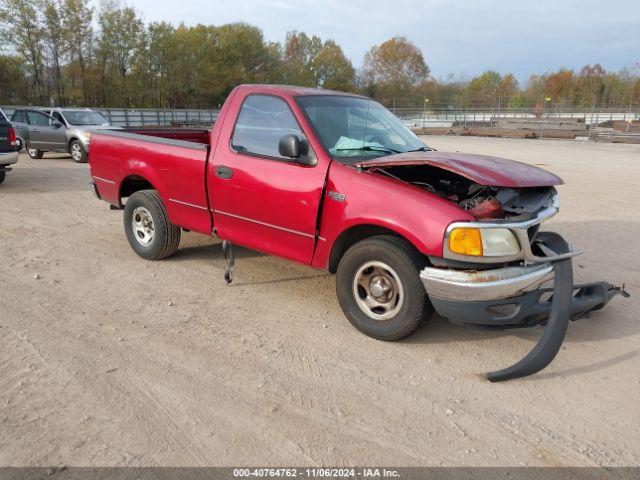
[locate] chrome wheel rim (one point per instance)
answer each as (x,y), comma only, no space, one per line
(76,152)
(378,291)
(33,152)
(142,225)
(19,144)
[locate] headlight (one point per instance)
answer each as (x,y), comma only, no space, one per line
(86,136)
(487,242)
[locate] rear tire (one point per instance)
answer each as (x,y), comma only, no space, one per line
(3,175)
(147,226)
(34,153)
(77,151)
(379,288)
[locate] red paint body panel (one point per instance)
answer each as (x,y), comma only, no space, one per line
(482,169)
(177,173)
(268,205)
(372,199)
(282,208)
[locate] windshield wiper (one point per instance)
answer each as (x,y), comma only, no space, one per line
(421,149)
(369,148)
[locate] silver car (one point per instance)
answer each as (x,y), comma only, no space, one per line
(65,130)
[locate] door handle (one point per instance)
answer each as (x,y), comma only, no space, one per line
(35,129)
(224,172)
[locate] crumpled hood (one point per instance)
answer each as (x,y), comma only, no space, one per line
(481,169)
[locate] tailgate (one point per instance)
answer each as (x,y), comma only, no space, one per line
(5,143)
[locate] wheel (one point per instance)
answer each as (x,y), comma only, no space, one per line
(19,144)
(78,153)
(3,175)
(147,225)
(35,153)
(379,288)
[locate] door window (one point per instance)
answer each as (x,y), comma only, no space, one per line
(58,117)
(37,118)
(18,116)
(263,120)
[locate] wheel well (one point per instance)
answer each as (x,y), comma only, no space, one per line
(353,235)
(133,184)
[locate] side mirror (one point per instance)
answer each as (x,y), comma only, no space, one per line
(57,124)
(291,146)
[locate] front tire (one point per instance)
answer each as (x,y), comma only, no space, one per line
(147,226)
(34,153)
(77,151)
(379,288)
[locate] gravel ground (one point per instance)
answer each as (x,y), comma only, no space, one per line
(108,359)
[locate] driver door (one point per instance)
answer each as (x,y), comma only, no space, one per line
(43,135)
(260,199)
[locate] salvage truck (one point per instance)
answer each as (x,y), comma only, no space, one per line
(337,182)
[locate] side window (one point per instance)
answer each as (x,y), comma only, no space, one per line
(37,118)
(18,116)
(58,117)
(263,120)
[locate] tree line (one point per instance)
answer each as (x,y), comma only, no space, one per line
(66,52)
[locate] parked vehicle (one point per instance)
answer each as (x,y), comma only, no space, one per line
(337,182)
(65,130)
(8,147)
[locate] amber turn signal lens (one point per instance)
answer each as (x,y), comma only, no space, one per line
(466,241)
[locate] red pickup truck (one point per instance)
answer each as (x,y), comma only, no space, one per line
(337,182)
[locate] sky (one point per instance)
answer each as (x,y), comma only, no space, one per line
(463,38)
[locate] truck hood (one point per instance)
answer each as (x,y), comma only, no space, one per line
(481,169)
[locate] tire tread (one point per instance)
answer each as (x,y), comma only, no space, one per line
(405,250)
(171,232)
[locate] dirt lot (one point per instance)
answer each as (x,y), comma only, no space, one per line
(107,359)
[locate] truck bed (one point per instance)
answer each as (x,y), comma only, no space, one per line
(195,135)
(172,160)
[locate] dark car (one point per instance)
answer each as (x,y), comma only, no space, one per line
(8,147)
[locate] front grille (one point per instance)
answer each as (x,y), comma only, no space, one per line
(532,231)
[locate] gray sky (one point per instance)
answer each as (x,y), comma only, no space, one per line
(463,38)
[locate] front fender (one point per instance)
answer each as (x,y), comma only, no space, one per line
(354,198)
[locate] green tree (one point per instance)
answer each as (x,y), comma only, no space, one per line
(120,35)
(300,51)
(54,39)
(12,81)
(332,69)
(392,70)
(21,28)
(483,89)
(76,16)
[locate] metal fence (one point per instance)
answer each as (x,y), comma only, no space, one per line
(143,117)
(471,117)
(412,117)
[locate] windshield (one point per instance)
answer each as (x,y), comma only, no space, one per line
(85,117)
(353,128)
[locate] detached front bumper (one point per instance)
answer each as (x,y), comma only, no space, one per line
(513,297)
(507,297)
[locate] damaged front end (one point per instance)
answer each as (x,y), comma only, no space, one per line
(500,271)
